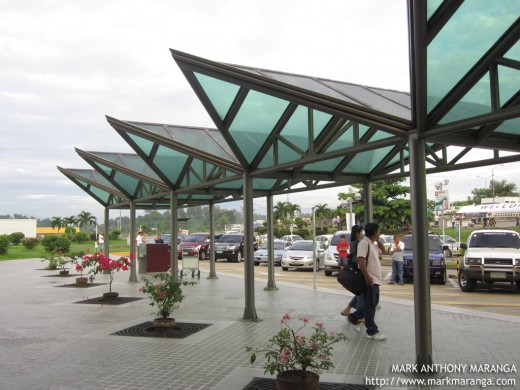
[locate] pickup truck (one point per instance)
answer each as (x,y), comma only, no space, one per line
(492,255)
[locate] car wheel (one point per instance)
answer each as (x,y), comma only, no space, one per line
(447,253)
(257,263)
(443,279)
(237,257)
(466,285)
(328,273)
(285,269)
(202,255)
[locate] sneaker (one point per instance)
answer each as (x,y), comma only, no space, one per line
(377,336)
(355,327)
(391,282)
(401,284)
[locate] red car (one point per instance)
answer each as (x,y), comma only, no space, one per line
(193,244)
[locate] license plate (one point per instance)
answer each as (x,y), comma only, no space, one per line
(219,251)
(497,275)
(293,263)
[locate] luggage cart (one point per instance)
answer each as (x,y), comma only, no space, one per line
(190,264)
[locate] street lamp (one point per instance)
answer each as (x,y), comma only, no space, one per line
(493,180)
(438,187)
(349,202)
(485,180)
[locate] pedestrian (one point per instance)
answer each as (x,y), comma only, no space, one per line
(140,241)
(369,265)
(342,248)
(453,219)
(396,250)
(159,240)
(436,220)
(101,242)
(356,234)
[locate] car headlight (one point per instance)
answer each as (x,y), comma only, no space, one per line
(437,262)
(473,261)
(278,257)
(232,247)
(197,248)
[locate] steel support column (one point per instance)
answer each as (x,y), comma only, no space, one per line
(368,209)
(174,223)
(106,249)
(133,252)
(421,268)
(249,266)
(271,285)
(212,271)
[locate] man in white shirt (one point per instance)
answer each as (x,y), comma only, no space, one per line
(396,250)
(369,265)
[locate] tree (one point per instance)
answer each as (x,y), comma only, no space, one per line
(57,223)
(323,213)
(70,221)
(501,188)
(391,208)
(86,219)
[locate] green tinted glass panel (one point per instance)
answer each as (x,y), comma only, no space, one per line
(297,128)
(155,128)
(263,184)
(324,166)
(129,183)
(170,162)
(363,130)
(509,82)
(345,140)
(102,167)
(432,6)
(511,126)
(320,121)
(255,121)
(379,135)
(268,159)
(367,161)
(465,38)
(206,140)
(476,102)
(220,93)
(103,195)
(286,154)
(514,52)
(143,144)
(231,184)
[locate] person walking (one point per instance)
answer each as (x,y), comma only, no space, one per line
(101,242)
(396,250)
(369,265)
(342,248)
(356,234)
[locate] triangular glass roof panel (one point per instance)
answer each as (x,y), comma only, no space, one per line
(324,166)
(170,162)
(220,93)
(509,83)
(365,162)
(145,145)
(511,126)
(131,161)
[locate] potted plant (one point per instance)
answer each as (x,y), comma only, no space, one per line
(80,267)
(296,356)
(101,263)
(164,296)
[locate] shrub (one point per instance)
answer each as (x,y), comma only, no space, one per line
(302,232)
(4,244)
(114,234)
(16,237)
(30,243)
(81,237)
(55,242)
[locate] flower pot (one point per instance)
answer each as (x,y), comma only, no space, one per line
(164,323)
(81,281)
(64,272)
(110,295)
(297,379)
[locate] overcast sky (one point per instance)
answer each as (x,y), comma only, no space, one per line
(68,63)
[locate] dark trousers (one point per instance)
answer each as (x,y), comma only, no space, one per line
(368,310)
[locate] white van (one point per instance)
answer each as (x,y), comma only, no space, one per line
(331,254)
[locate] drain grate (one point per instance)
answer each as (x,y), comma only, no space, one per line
(146,329)
(270,384)
(103,301)
(82,286)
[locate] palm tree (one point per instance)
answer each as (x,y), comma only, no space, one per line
(322,213)
(85,219)
(293,208)
(57,222)
(70,222)
(280,211)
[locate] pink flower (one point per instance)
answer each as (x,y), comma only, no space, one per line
(320,325)
(304,319)
(285,356)
(286,317)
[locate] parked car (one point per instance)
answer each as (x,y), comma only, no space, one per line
(230,247)
(167,238)
(261,255)
(195,244)
(301,255)
(453,246)
(435,257)
(331,254)
(325,238)
(387,241)
(492,255)
(291,237)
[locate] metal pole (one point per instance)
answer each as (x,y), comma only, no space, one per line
(106,249)
(249,266)
(133,252)
(314,246)
(212,272)
(174,257)
(271,284)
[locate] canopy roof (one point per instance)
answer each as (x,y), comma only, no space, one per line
(293,132)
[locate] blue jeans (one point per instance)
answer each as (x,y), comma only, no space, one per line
(397,269)
(368,310)
(356,302)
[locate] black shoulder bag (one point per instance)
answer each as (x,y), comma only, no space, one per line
(352,278)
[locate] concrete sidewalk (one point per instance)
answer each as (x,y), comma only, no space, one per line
(50,342)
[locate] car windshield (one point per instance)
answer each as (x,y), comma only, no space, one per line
(335,238)
(302,246)
(277,245)
(230,238)
(494,240)
(195,238)
(434,243)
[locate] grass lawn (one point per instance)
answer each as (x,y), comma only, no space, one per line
(17,252)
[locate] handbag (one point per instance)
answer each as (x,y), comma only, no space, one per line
(352,278)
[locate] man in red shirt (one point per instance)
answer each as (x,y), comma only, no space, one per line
(342,248)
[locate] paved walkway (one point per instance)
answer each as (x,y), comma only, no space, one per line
(49,342)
